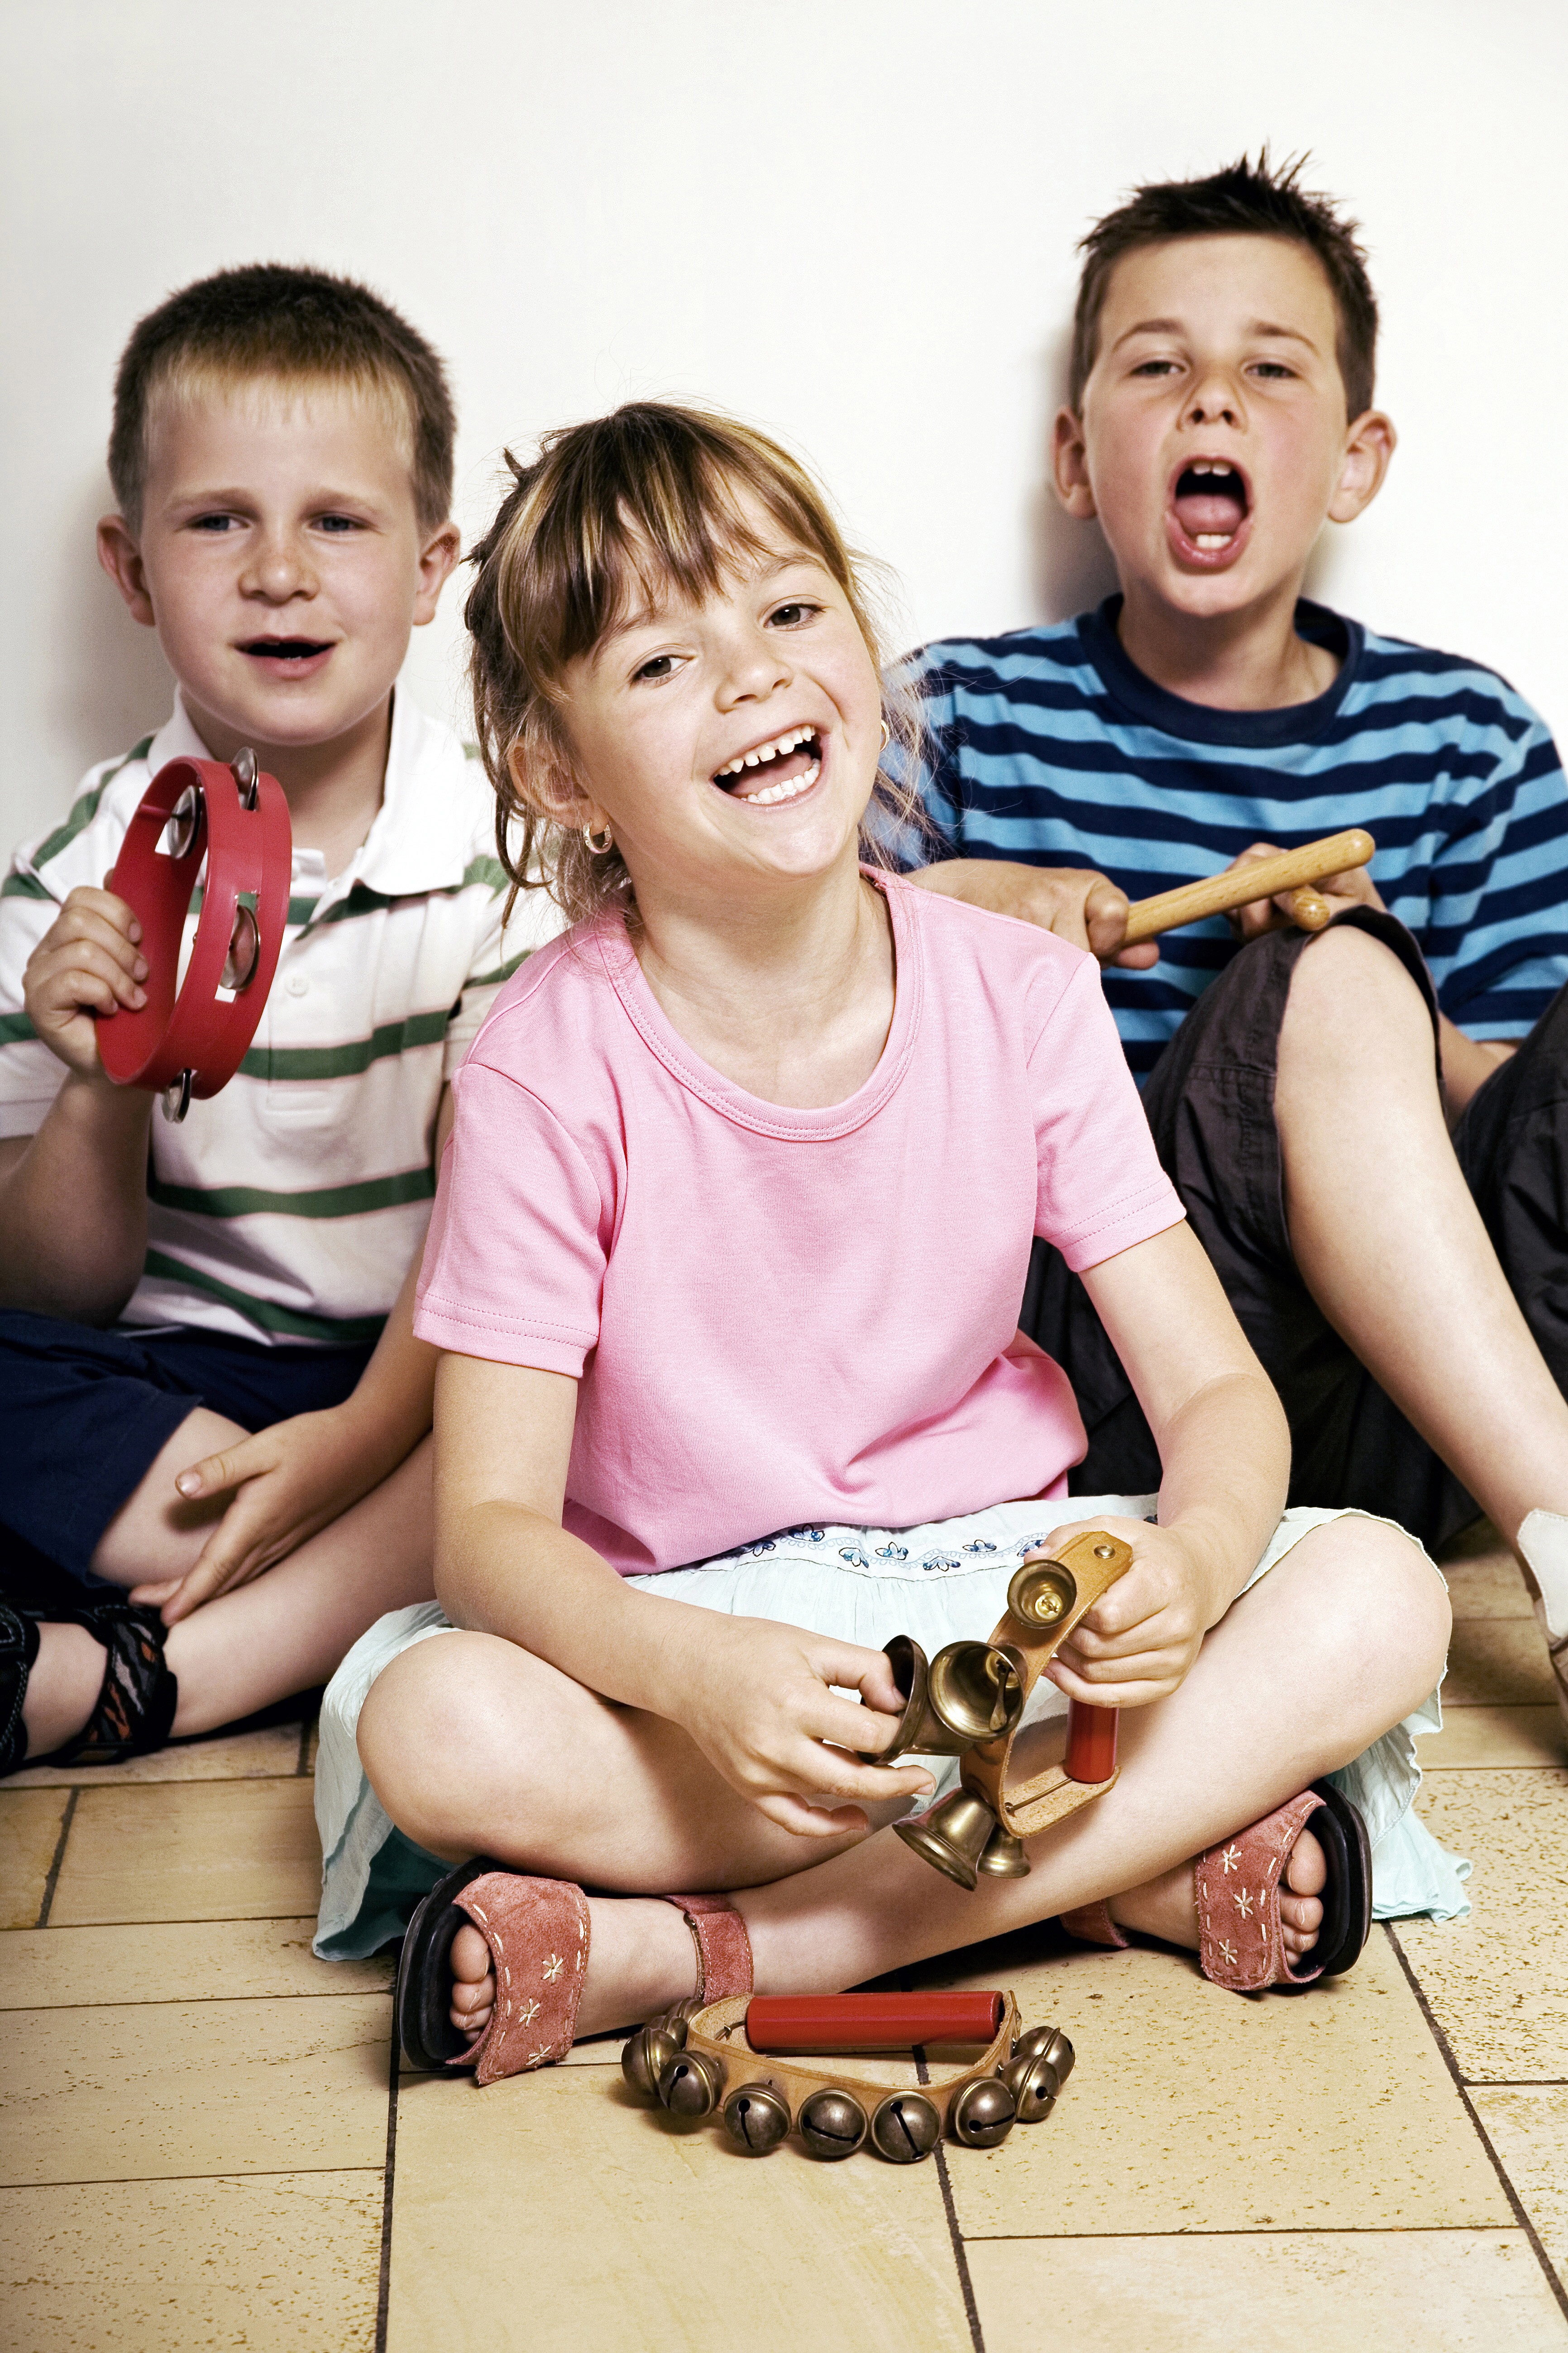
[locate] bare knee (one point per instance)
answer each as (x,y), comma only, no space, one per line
(438,1722)
(1389,1610)
(1346,985)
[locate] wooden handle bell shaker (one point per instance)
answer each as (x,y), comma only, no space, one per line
(1265,878)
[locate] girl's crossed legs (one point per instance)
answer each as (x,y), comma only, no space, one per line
(473,1746)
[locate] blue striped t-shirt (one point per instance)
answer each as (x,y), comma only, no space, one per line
(1049,746)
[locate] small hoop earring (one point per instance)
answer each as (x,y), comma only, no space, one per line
(599,848)
(887,734)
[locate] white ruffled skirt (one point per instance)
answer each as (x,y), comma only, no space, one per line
(939,1583)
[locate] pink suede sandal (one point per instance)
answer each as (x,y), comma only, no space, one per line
(538,1933)
(1240,1945)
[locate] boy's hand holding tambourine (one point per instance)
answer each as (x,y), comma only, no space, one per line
(87,963)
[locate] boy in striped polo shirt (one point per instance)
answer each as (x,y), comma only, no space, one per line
(1220,409)
(207,1368)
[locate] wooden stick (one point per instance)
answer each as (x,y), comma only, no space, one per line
(1265,878)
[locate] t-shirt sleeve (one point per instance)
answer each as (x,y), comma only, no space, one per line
(1101,1187)
(1497,931)
(41,877)
(514,1265)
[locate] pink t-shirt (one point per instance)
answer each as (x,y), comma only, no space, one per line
(780,1317)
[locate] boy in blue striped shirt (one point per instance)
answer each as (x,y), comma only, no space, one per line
(1220,409)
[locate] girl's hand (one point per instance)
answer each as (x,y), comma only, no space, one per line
(286,1483)
(757,1699)
(89,961)
(1140,1638)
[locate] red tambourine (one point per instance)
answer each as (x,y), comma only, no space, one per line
(237,819)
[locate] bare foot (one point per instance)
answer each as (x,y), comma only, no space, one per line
(1167,1907)
(640,1958)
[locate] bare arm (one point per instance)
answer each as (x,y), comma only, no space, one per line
(73,1197)
(1224,1452)
(754,1697)
(1074,902)
(295,1477)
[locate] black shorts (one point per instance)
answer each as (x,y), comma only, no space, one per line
(1210,1104)
(84,1413)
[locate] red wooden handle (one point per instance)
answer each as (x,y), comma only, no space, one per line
(782,2024)
(1092,1742)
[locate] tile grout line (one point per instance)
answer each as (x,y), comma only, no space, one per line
(1452,2064)
(960,2255)
(384,2282)
(59,1856)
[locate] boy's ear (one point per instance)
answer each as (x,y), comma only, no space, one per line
(1369,446)
(1069,465)
(122,559)
(437,558)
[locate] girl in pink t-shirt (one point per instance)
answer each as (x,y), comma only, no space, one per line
(731,1239)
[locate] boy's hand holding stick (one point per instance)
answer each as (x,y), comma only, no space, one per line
(1271,886)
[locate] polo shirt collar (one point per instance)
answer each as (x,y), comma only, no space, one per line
(420,836)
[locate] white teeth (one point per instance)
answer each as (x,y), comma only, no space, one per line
(1213,539)
(1210,466)
(777,750)
(790,788)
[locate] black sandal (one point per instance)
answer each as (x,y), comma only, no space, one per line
(136,1702)
(423,1998)
(1347,1895)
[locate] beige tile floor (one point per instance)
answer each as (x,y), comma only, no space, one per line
(202,2143)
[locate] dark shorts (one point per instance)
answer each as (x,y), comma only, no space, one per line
(1210,1104)
(84,1413)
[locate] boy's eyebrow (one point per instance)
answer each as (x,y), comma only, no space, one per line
(1178,326)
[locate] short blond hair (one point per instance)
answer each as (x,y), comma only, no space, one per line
(272,321)
(620,510)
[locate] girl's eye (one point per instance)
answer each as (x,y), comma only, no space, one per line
(658,666)
(790,615)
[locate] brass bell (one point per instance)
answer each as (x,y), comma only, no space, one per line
(1042,1593)
(691,2086)
(905,2128)
(969,1691)
(1051,2045)
(952,1835)
(982,2116)
(756,2118)
(649,2052)
(1034,2083)
(832,2124)
(1003,1856)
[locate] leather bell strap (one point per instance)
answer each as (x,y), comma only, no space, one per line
(719,2033)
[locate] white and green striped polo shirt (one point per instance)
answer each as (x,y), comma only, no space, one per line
(288,1208)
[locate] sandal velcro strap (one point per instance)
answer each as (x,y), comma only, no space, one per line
(538,1932)
(136,1705)
(1091,1923)
(723,1947)
(1240,1943)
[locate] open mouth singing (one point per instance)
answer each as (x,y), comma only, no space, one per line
(774,772)
(1210,509)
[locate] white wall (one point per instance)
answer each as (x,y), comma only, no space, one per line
(852,220)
